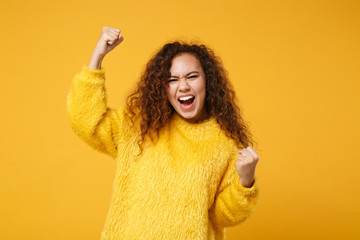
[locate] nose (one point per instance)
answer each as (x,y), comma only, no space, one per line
(183,86)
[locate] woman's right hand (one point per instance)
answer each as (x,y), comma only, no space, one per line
(108,40)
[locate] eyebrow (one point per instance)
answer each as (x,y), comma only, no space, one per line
(185,74)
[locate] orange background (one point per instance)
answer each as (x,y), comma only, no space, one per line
(295,67)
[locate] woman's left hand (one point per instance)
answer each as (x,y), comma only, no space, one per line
(246,164)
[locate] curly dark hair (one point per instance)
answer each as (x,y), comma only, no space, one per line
(150,101)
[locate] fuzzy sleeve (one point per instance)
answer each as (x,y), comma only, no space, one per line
(233,202)
(90,117)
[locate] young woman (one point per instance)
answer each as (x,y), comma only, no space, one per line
(185,169)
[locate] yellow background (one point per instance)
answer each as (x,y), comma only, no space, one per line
(295,67)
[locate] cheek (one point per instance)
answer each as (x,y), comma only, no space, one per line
(201,89)
(203,96)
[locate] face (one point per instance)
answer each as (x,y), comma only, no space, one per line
(186,88)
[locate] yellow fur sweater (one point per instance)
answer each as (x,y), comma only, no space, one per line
(183,186)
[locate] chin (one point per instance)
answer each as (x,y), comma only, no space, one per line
(186,115)
(190,116)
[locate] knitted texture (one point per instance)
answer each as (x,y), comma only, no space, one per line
(183,186)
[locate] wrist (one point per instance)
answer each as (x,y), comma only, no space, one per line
(246,184)
(98,54)
(95,61)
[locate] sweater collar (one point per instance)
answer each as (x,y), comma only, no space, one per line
(200,130)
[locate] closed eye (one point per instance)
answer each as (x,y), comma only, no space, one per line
(175,79)
(193,76)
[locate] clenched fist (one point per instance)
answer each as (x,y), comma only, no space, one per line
(108,40)
(246,164)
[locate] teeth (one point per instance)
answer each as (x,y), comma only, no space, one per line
(186,98)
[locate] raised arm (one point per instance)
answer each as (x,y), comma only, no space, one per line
(108,40)
(90,117)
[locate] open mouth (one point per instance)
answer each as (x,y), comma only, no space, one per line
(186,101)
